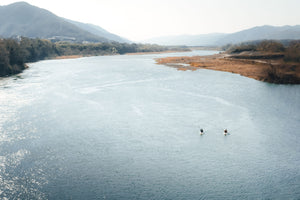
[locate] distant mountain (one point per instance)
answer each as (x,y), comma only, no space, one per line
(23,19)
(97,30)
(217,39)
(263,33)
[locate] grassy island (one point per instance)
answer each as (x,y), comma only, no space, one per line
(268,61)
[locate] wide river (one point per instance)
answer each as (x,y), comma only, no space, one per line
(122,127)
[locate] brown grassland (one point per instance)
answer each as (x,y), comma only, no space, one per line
(262,66)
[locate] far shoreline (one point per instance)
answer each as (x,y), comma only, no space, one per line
(67,57)
(20,69)
(157,52)
(135,53)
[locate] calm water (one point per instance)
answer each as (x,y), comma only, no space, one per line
(122,127)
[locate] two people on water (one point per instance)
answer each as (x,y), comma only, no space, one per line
(202,132)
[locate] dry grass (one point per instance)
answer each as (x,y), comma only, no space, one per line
(68,57)
(275,71)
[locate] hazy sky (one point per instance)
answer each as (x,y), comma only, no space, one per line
(141,19)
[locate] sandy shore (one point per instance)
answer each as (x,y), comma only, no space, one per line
(258,69)
(69,57)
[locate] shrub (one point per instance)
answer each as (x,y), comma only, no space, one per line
(270,46)
(292,53)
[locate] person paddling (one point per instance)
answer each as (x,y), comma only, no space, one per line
(201,131)
(225,132)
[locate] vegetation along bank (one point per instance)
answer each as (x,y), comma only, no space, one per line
(15,53)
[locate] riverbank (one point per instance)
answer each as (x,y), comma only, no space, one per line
(14,54)
(68,57)
(264,67)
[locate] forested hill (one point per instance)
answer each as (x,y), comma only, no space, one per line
(23,19)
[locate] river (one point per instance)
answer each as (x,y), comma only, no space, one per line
(122,127)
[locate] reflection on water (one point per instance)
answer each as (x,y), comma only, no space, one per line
(16,181)
(122,127)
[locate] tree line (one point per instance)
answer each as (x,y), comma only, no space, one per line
(15,53)
(289,49)
(282,58)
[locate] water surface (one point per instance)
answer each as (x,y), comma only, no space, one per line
(122,127)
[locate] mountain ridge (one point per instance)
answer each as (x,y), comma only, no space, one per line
(24,19)
(262,33)
(266,32)
(99,31)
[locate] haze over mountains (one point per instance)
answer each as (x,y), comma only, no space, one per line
(217,39)
(23,19)
(97,30)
